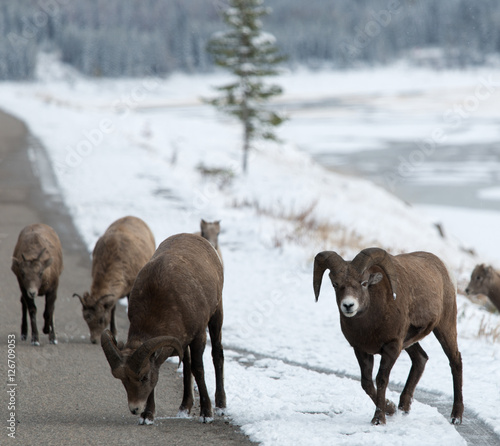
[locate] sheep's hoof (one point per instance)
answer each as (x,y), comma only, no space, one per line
(206,420)
(24,337)
(220,411)
(183,413)
(35,343)
(377,421)
(378,418)
(456,420)
(53,341)
(146,421)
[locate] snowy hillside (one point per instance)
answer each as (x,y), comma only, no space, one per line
(150,148)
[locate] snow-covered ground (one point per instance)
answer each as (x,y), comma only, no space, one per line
(139,147)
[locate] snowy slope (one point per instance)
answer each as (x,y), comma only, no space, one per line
(135,147)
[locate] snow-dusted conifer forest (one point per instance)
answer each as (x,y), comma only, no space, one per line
(150,37)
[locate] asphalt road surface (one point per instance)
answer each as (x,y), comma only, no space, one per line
(65,394)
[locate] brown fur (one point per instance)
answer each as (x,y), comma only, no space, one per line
(485,280)
(425,302)
(118,256)
(175,297)
(37,263)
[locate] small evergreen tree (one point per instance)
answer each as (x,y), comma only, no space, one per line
(250,54)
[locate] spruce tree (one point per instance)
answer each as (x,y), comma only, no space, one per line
(250,55)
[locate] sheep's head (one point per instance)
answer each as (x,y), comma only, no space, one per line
(138,368)
(351,280)
(210,231)
(30,273)
(96,312)
(480,280)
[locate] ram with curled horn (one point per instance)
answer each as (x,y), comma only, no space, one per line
(175,297)
(387,304)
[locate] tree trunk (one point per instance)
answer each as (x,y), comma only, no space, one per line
(246,125)
(246,149)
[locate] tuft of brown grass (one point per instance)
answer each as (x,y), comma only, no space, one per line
(302,227)
(487,331)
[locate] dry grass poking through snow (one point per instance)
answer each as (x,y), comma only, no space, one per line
(303,228)
(488,331)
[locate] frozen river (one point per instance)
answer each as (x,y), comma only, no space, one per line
(457,176)
(430,138)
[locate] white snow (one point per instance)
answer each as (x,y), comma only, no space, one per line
(123,147)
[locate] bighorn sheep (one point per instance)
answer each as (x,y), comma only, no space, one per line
(175,297)
(118,256)
(211,231)
(485,280)
(37,263)
(387,304)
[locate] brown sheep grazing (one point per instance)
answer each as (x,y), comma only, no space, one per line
(118,256)
(175,297)
(211,231)
(37,263)
(387,304)
(485,280)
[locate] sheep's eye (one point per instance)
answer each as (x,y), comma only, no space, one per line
(364,284)
(144,379)
(478,278)
(335,284)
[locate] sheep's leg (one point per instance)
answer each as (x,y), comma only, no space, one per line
(32,312)
(197,348)
(48,316)
(148,416)
(24,320)
(448,340)
(418,359)
(187,398)
(365,361)
(390,353)
(112,325)
(215,330)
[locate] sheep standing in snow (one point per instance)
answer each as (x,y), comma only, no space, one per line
(485,280)
(387,304)
(37,263)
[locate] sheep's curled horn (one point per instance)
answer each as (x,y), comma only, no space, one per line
(364,260)
(326,260)
(136,361)
(376,256)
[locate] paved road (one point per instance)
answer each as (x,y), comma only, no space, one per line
(65,394)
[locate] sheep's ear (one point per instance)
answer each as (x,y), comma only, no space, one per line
(15,263)
(47,263)
(375,278)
